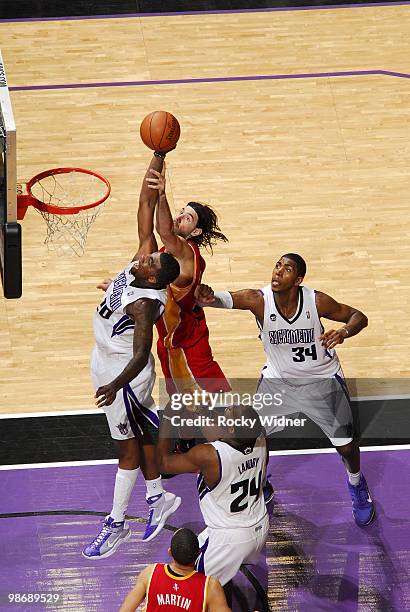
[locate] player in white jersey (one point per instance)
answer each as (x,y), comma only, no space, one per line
(123,374)
(302,369)
(231,474)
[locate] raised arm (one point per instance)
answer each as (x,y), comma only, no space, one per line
(353,319)
(177,246)
(202,457)
(246,299)
(137,595)
(147,201)
(144,312)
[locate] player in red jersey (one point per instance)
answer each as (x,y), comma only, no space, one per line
(183,345)
(177,586)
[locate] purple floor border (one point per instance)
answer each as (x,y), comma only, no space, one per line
(268,77)
(212,12)
(317,558)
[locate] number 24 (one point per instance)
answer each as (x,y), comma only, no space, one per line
(247,490)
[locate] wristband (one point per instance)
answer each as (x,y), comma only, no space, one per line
(346,331)
(159,154)
(225,298)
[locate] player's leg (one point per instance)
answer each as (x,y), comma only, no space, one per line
(177,373)
(272,399)
(115,529)
(211,562)
(161,503)
(350,454)
(362,503)
(224,551)
(328,405)
(202,366)
(219,558)
(182,445)
(143,417)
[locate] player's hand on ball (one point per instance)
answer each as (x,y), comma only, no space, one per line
(104,284)
(157,181)
(105,395)
(204,294)
(332,337)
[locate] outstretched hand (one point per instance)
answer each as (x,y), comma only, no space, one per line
(204,294)
(157,181)
(104,284)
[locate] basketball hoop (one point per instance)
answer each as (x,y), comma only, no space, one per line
(69,200)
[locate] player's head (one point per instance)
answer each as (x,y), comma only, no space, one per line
(184,547)
(155,271)
(247,426)
(288,272)
(199,223)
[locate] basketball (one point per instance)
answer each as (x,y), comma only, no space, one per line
(160,131)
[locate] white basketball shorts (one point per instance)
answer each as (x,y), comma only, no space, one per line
(224,550)
(133,412)
(323,400)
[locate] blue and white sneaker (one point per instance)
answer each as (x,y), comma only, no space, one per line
(160,508)
(107,541)
(268,492)
(362,504)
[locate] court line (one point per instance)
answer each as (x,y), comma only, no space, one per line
(375,398)
(209,12)
(58,464)
(321,451)
(25,415)
(305,451)
(256,77)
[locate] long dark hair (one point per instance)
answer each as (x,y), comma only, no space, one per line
(208,223)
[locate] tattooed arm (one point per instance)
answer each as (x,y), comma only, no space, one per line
(144,312)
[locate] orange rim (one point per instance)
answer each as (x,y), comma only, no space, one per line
(63,210)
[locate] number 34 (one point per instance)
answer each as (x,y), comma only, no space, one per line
(301,352)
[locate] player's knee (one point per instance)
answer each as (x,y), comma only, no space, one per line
(128,454)
(347,450)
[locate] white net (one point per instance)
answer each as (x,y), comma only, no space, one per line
(67,233)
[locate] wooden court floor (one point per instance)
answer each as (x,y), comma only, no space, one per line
(316,164)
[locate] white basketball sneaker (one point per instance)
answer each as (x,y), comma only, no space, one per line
(108,540)
(160,508)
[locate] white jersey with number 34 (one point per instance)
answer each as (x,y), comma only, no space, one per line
(292,346)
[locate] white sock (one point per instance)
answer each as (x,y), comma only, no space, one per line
(354,479)
(154,487)
(124,484)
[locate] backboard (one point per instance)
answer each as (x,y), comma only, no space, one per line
(10,230)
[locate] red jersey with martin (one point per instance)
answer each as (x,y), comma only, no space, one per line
(169,592)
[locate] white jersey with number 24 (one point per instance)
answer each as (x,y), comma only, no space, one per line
(236,501)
